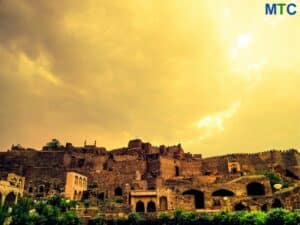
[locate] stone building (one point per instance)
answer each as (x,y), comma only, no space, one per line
(145,178)
(76,184)
(11,189)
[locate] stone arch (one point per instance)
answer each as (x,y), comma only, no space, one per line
(151,207)
(198,197)
(240,207)
(255,188)
(163,203)
(10,198)
(140,207)
(223,193)
(118,191)
(277,203)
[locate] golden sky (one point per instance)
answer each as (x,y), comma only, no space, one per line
(216,76)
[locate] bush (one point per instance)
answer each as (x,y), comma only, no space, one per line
(134,218)
(276,217)
(253,218)
(274,179)
(119,200)
(204,219)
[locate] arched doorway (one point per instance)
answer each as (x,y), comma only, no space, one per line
(140,207)
(240,207)
(10,199)
(255,188)
(223,193)
(100,196)
(118,191)
(277,203)
(41,189)
(163,203)
(198,197)
(264,208)
(151,207)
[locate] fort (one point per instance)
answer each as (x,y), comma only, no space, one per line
(146,179)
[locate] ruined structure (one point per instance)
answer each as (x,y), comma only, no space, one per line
(146,178)
(76,184)
(11,189)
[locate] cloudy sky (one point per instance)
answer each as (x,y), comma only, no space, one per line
(216,76)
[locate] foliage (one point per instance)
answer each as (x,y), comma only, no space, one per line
(55,211)
(119,200)
(96,221)
(164,218)
(54,143)
(3,214)
(275,179)
(134,218)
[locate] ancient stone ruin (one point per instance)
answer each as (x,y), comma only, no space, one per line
(145,178)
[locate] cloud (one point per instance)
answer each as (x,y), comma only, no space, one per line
(111,70)
(215,122)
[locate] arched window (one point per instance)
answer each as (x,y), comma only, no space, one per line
(10,198)
(198,197)
(30,189)
(151,207)
(177,171)
(100,196)
(41,189)
(240,207)
(255,188)
(140,207)
(163,203)
(223,193)
(277,203)
(75,195)
(80,181)
(118,191)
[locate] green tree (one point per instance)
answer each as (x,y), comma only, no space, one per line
(3,214)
